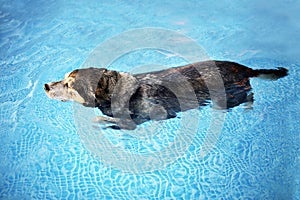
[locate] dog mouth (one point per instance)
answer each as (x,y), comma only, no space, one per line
(62,91)
(52,95)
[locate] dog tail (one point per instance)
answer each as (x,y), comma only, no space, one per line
(270,74)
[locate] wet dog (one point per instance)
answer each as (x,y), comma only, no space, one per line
(131,99)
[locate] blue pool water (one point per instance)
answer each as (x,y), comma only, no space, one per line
(43,154)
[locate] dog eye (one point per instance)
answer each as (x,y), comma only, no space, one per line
(67,85)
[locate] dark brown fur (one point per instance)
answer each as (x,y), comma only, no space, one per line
(133,99)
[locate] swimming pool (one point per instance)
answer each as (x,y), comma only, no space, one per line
(256,155)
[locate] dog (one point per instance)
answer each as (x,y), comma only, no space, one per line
(127,100)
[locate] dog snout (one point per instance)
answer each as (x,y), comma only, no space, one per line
(46,87)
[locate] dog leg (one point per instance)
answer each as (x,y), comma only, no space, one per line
(105,120)
(115,123)
(123,124)
(249,102)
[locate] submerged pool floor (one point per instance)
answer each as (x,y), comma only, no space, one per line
(44,155)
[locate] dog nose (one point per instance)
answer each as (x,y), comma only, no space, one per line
(46,87)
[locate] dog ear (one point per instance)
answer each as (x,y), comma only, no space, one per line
(106,85)
(73,73)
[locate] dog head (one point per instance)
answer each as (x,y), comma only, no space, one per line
(63,90)
(82,86)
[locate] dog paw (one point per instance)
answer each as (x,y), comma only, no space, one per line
(105,120)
